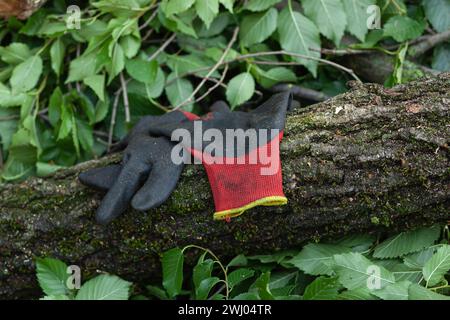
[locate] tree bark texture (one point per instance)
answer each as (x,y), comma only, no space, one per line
(370,160)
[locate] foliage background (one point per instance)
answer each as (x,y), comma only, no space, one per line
(68,93)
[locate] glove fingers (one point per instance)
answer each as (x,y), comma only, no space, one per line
(100,178)
(220,106)
(160,183)
(118,197)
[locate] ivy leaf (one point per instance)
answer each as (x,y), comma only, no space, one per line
(57,55)
(142,70)
(322,288)
(178,91)
(314,259)
(298,34)
(52,276)
(403,28)
(356,11)
(260,5)
(439,264)
(26,74)
(257,27)
(355,270)
(240,89)
(395,291)
(407,242)
(417,292)
(105,287)
(97,84)
(438,12)
(15,53)
(329,16)
(441,58)
(172,265)
(207,10)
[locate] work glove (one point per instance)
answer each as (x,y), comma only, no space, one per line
(146,177)
(242,175)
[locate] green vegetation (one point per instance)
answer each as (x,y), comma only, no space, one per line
(412,265)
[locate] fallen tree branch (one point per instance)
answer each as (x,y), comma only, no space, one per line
(370,160)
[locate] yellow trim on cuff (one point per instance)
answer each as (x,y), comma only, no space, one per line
(267,201)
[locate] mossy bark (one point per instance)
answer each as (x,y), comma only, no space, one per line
(370,160)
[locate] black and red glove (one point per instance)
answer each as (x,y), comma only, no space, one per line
(240,177)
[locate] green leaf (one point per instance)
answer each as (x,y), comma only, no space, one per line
(438,12)
(322,288)
(204,288)
(441,58)
(85,135)
(52,276)
(56,297)
(190,63)
(355,271)
(315,259)
(178,91)
(417,292)
(96,83)
(297,35)
(439,264)
(101,110)
(142,70)
(171,7)
(329,16)
(155,89)
(207,10)
(280,280)
(356,11)
(26,74)
(15,53)
(105,287)
(417,260)
(357,294)
(228,4)
(157,292)
(82,67)
(172,265)
(202,271)
(238,261)
(240,89)
(260,5)
(276,75)
(57,51)
(7,99)
(7,128)
(403,28)
(262,286)
(407,242)
(66,121)
(247,296)
(117,62)
(54,106)
(44,169)
(239,275)
(257,27)
(396,291)
(130,45)
(217,26)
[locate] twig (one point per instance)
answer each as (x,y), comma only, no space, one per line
(126,103)
(211,89)
(149,20)
(211,71)
(163,46)
(113,121)
(428,43)
(301,92)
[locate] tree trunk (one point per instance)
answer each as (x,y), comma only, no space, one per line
(370,160)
